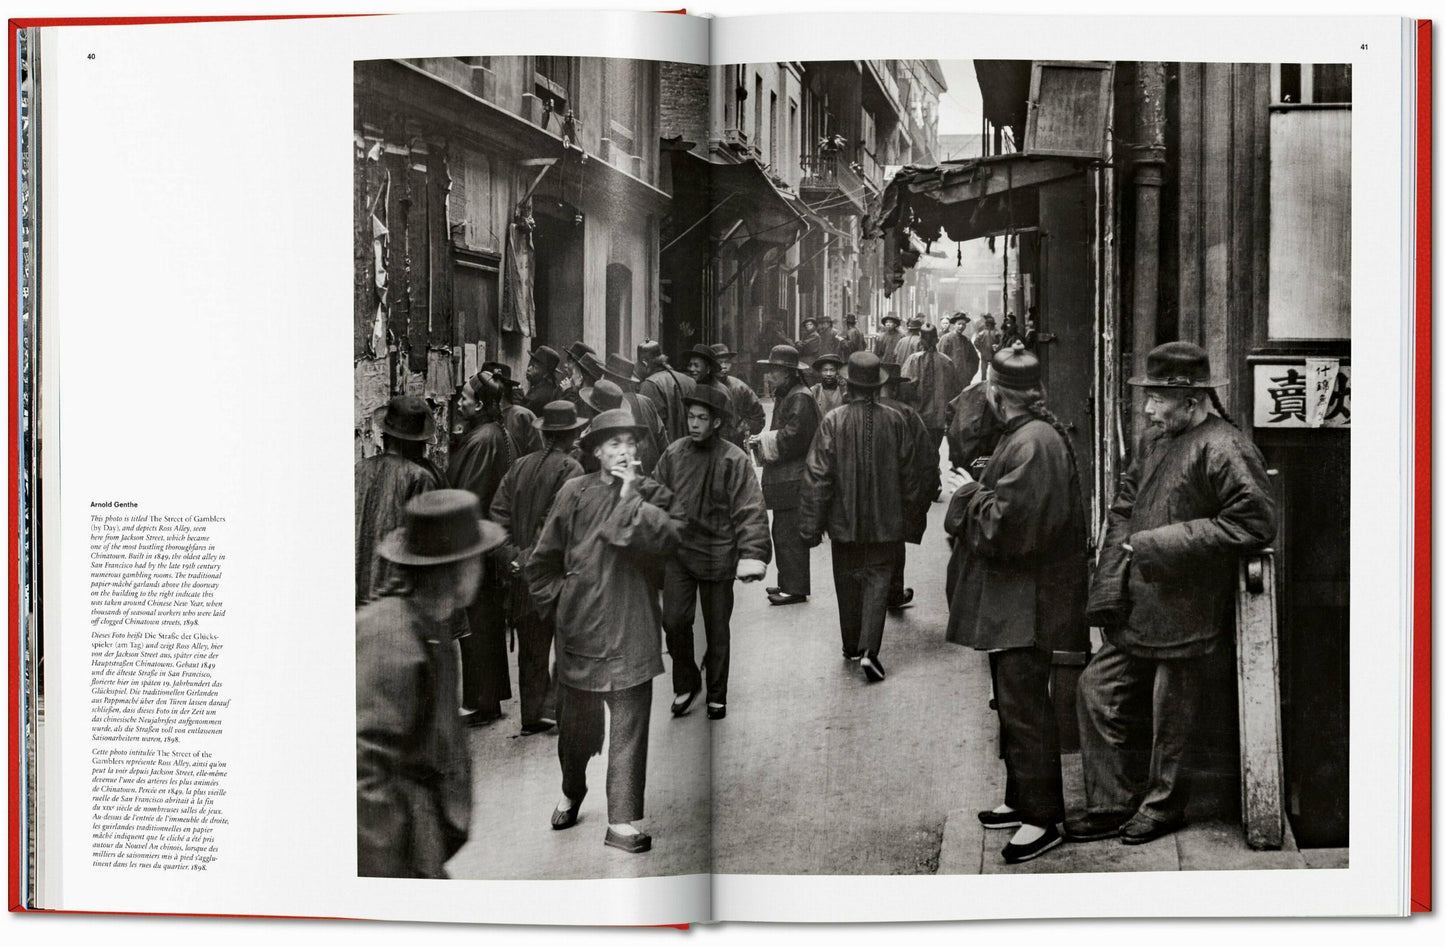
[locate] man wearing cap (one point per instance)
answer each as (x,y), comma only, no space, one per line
(938,384)
(916,516)
(852,338)
(726,538)
(519,421)
(1016,583)
(886,342)
(542,384)
(478,463)
(828,392)
(747,416)
(809,346)
(860,478)
(956,344)
(782,450)
(413,771)
(665,386)
(596,569)
(910,343)
(386,481)
(606,395)
(1195,499)
(521,504)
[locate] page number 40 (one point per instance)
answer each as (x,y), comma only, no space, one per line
(90,55)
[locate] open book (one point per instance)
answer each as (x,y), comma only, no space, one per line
(785,484)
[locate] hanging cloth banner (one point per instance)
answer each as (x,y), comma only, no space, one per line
(518,309)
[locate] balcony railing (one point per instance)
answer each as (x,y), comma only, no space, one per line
(831,172)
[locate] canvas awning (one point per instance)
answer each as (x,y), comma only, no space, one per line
(744,192)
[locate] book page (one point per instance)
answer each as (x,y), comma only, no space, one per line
(1105,215)
(260,235)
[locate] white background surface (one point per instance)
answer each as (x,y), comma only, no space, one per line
(162,931)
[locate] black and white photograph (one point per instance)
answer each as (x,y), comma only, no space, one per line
(857,467)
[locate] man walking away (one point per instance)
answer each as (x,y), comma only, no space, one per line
(910,343)
(782,450)
(665,386)
(1195,499)
(748,417)
(938,383)
(726,538)
(859,479)
(1016,590)
(595,570)
(828,392)
(386,481)
(519,421)
(916,516)
(520,507)
(413,771)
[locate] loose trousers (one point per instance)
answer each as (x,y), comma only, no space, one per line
(792,556)
(895,581)
(579,738)
(1035,781)
(534,669)
(1136,718)
(486,677)
(861,573)
(681,593)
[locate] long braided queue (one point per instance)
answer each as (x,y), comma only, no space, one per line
(1219,407)
(1035,406)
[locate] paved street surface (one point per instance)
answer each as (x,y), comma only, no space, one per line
(815,771)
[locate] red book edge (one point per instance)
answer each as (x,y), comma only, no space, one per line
(1421,742)
(16,735)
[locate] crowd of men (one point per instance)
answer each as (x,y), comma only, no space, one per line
(592,512)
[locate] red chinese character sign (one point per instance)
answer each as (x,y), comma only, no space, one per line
(1311,392)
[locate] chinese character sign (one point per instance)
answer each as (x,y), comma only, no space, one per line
(1312,393)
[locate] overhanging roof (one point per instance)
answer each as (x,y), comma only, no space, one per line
(743,191)
(971,199)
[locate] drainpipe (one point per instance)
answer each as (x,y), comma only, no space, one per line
(1148,168)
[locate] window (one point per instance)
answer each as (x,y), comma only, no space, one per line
(773,129)
(619,308)
(620,81)
(554,78)
(1311,83)
(757,109)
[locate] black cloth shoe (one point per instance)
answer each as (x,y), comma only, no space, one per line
(540,726)
(1094,826)
(999,820)
(682,702)
(1013,854)
(902,601)
(632,844)
(1139,830)
(872,668)
(716,711)
(785,598)
(566,818)
(481,718)
(772,590)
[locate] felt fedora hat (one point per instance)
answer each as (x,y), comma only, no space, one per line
(1014,366)
(608,423)
(406,417)
(557,417)
(710,397)
(781,356)
(958,317)
(603,396)
(827,358)
(441,526)
(547,357)
(722,351)
(703,352)
(891,318)
(502,372)
(1177,365)
(621,369)
(915,323)
(864,370)
(578,350)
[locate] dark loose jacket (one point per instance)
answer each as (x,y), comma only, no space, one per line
(666,388)
(726,521)
(540,394)
(785,445)
(413,771)
(481,459)
(748,415)
(384,484)
(885,343)
(522,503)
(959,347)
(916,516)
(861,476)
(1019,569)
(596,568)
(520,427)
(938,384)
(1190,505)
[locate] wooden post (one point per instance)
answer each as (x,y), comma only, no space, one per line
(1261,772)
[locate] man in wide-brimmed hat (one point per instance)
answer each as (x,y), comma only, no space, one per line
(584,369)
(520,505)
(829,342)
(652,438)
(809,345)
(938,383)
(747,416)
(1196,498)
(413,771)
(910,343)
(596,568)
(386,481)
(702,367)
(1016,590)
(828,392)
(478,462)
(860,479)
(900,595)
(542,385)
(886,342)
(956,344)
(782,449)
(664,386)
(726,539)
(518,419)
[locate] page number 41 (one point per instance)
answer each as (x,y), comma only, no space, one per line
(1364,45)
